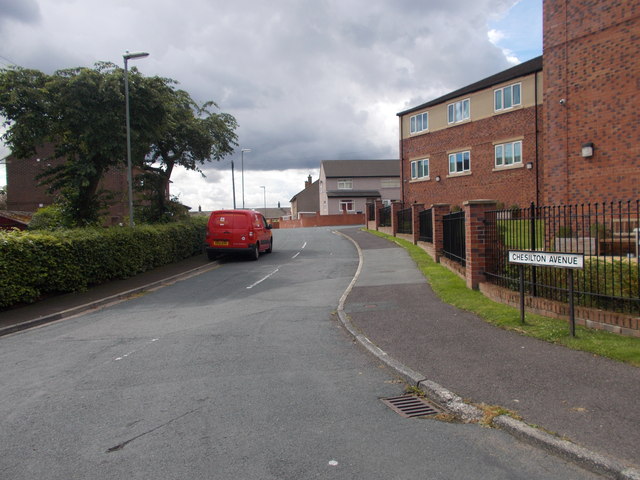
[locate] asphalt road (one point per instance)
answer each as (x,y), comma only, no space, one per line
(242,372)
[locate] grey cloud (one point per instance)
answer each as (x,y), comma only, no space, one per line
(26,11)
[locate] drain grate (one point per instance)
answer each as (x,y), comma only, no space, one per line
(411,406)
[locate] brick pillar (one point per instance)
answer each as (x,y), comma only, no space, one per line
(478,252)
(396,206)
(416,208)
(378,206)
(438,210)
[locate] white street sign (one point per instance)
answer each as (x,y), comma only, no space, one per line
(547,259)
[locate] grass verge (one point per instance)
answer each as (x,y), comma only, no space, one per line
(453,290)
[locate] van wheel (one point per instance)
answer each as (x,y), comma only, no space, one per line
(270,249)
(256,252)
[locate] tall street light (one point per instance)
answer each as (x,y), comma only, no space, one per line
(233,185)
(129,56)
(242,168)
(264,190)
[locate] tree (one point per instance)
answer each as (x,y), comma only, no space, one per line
(81,112)
(193,135)
(3,198)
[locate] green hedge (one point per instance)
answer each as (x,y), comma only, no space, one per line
(33,264)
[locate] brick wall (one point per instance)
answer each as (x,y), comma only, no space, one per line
(591,63)
(509,186)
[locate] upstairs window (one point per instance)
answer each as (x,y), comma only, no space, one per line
(507,97)
(459,111)
(345,184)
(508,153)
(460,162)
(420,122)
(419,169)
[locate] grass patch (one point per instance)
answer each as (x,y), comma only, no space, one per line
(453,290)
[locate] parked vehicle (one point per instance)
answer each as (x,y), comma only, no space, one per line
(238,231)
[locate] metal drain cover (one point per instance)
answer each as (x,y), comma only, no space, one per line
(411,406)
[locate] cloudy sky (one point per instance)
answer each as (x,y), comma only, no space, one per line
(307,80)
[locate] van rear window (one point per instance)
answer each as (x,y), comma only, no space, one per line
(230,220)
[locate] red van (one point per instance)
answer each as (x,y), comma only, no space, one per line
(238,231)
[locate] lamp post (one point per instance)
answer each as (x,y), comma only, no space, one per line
(264,190)
(242,168)
(233,185)
(129,56)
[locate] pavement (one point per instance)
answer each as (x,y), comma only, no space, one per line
(576,405)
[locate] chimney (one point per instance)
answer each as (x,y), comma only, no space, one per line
(308,183)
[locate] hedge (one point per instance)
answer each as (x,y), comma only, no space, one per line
(33,264)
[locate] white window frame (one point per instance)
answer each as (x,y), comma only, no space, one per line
(345,184)
(420,169)
(347,202)
(419,123)
(456,112)
(506,154)
(500,96)
(454,156)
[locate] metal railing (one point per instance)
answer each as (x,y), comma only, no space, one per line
(405,221)
(607,235)
(454,243)
(385,216)
(425,219)
(371,212)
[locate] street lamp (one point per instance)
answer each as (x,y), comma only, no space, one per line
(264,190)
(233,185)
(242,167)
(129,56)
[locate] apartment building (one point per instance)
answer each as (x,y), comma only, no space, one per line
(479,142)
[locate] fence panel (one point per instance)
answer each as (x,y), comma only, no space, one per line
(385,216)
(405,221)
(454,243)
(607,235)
(426,225)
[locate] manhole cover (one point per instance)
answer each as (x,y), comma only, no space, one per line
(411,406)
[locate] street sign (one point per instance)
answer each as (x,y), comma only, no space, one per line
(547,259)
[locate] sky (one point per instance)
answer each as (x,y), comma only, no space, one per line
(307,80)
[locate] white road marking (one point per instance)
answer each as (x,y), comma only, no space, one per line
(134,351)
(263,279)
(296,255)
(304,245)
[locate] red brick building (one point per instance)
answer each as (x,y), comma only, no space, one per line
(481,141)
(591,98)
(25,195)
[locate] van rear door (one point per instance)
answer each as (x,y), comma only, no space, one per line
(228,228)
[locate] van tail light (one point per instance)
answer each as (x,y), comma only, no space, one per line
(251,233)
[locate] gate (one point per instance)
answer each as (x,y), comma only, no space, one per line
(454,238)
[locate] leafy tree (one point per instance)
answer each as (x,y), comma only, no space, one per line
(3,198)
(81,112)
(193,135)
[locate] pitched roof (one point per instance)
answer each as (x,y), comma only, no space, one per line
(525,68)
(361,168)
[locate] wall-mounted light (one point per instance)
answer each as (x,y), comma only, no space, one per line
(438,178)
(529,165)
(587,150)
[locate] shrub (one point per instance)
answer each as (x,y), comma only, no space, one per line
(36,263)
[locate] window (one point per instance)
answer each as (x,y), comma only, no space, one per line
(346,205)
(420,168)
(420,122)
(390,183)
(507,97)
(508,153)
(460,162)
(345,184)
(459,111)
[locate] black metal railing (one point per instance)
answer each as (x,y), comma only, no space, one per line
(385,216)
(371,212)
(425,219)
(454,243)
(607,235)
(405,221)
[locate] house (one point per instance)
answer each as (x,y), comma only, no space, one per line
(481,141)
(346,186)
(25,194)
(12,219)
(307,200)
(592,101)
